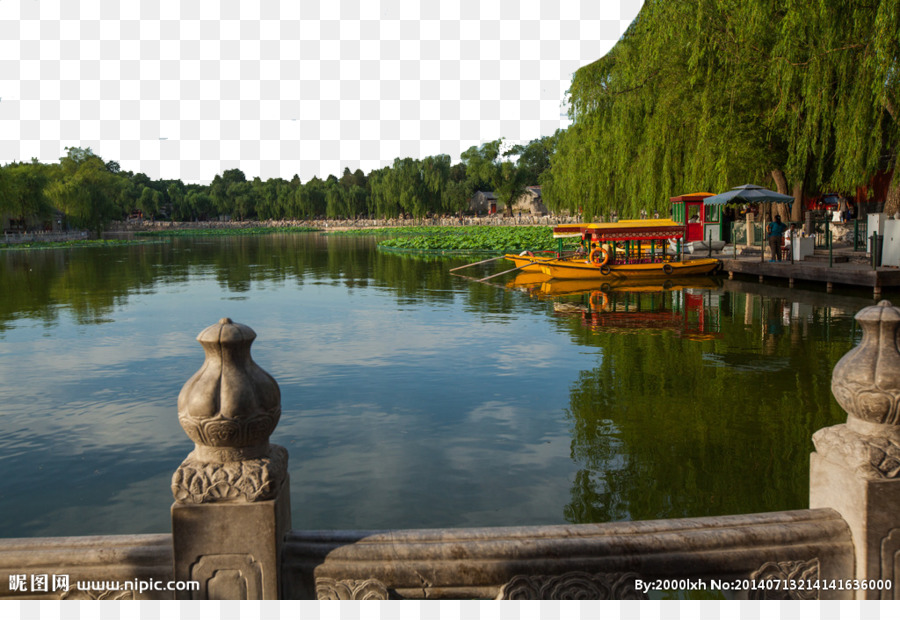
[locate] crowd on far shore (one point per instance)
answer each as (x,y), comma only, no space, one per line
(486,220)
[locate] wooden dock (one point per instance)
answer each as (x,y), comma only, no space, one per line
(846,269)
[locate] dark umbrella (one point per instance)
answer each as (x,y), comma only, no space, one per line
(746,194)
(749,194)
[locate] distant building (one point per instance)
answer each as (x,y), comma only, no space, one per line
(530,202)
(49,222)
(483,203)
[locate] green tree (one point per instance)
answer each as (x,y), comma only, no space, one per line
(311,200)
(176,192)
(242,199)
(85,190)
(489,165)
(336,203)
(22,191)
(224,197)
(149,202)
(199,204)
(383,195)
(836,66)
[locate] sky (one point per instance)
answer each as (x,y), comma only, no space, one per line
(308,87)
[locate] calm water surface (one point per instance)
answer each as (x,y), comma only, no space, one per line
(411,398)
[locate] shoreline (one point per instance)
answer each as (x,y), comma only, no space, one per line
(349,224)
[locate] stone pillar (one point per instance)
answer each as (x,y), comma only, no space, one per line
(856,466)
(232,501)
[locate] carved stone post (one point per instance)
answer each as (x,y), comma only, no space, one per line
(856,466)
(232,501)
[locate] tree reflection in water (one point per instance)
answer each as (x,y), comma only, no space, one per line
(704,400)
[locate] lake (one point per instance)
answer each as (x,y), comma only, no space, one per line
(410,397)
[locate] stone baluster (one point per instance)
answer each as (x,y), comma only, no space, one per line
(232,501)
(856,466)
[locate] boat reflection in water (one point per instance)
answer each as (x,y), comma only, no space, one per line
(687,308)
(529,282)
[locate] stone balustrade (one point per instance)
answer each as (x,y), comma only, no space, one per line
(231,517)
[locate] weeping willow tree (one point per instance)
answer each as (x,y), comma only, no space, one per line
(835,68)
(706,94)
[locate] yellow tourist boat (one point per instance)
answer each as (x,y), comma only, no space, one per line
(530,261)
(626,249)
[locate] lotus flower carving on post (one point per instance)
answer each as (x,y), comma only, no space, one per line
(866,384)
(229,408)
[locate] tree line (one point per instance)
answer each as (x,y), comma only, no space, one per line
(91,192)
(698,95)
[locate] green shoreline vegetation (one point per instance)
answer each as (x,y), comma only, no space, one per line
(75,243)
(224,232)
(695,96)
(471,239)
(424,239)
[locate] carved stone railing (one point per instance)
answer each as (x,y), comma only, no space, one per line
(232,506)
(231,517)
(856,466)
(107,567)
(596,561)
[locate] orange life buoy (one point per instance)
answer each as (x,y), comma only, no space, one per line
(594,255)
(599,300)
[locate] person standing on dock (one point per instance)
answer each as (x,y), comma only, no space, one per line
(775,234)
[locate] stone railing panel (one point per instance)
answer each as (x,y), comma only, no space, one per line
(566,560)
(87,567)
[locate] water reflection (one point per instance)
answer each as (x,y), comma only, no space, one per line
(704,387)
(411,398)
(685,308)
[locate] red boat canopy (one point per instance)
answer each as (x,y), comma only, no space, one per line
(623,230)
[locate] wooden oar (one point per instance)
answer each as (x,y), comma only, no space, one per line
(481,262)
(508,271)
(500,286)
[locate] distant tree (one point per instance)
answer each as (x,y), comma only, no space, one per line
(408,186)
(435,175)
(336,203)
(534,157)
(85,190)
(490,165)
(149,202)
(241,196)
(199,204)
(384,196)
(176,192)
(311,201)
(456,196)
(22,191)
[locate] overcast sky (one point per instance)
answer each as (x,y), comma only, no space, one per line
(187,90)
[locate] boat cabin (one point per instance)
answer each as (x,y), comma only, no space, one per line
(703,222)
(635,241)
